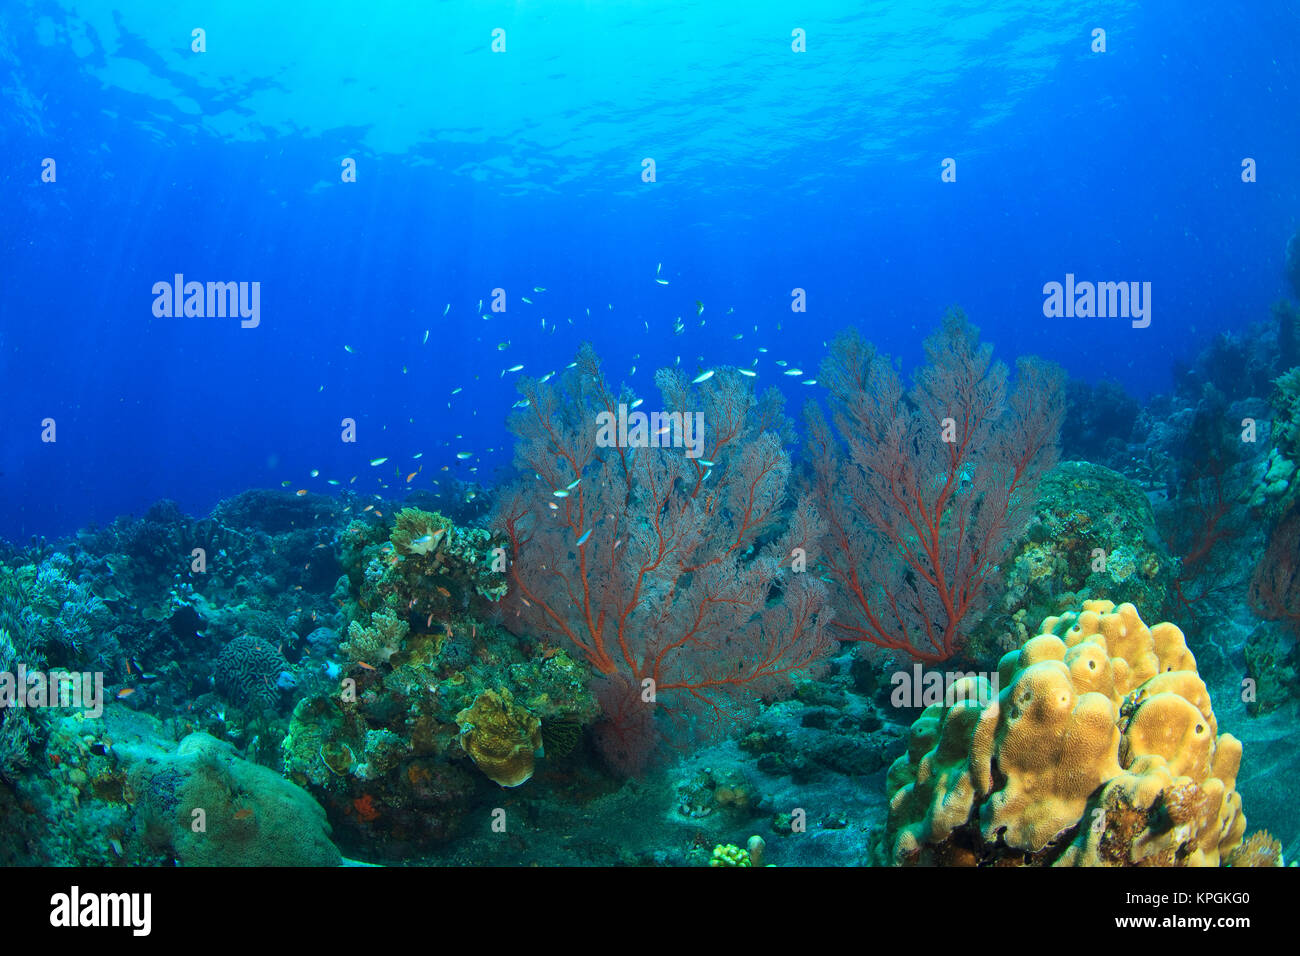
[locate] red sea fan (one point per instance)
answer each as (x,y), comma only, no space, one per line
(923,490)
(667,567)
(1275,585)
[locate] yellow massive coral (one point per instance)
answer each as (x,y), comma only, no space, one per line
(502,738)
(1101,749)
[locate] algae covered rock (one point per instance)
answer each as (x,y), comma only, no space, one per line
(1271,662)
(207,806)
(1100,749)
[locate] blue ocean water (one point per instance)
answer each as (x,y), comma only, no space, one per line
(478,170)
(430,203)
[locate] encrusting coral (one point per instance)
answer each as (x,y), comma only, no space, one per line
(1101,749)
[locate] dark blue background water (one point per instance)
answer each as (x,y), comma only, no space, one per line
(479,170)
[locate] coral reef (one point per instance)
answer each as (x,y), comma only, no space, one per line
(1092,533)
(426,685)
(1286,405)
(1100,749)
(126,789)
(426,570)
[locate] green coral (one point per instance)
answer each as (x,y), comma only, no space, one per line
(1271,663)
(1274,487)
(375,643)
(14,597)
(322,745)
(1093,532)
(22,730)
(208,807)
(728,854)
(1286,403)
(385,752)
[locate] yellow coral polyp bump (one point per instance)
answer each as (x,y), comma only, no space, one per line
(1101,749)
(728,854)
(502,738)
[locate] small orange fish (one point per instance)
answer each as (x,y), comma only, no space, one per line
(368,508)
(300,492)
(364,666)
(125,692)
(243,814)
(410,476)
(443,591)
(429,622)
(379,513)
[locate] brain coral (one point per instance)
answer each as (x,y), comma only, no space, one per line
(1101,749)
(247,670)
